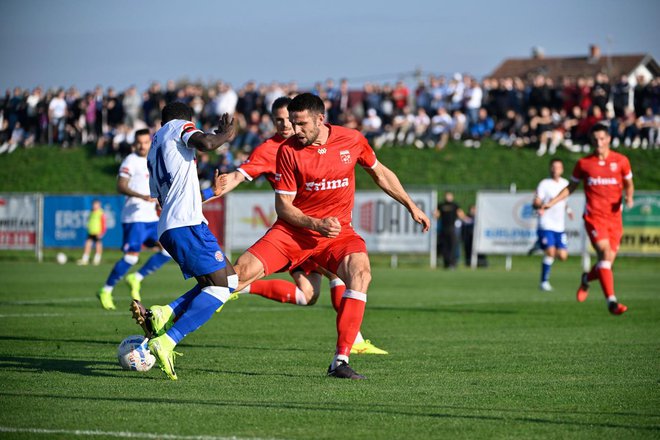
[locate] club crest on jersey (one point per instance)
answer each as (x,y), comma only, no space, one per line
(322,150)
(219,257)
(613,166)
(345,156)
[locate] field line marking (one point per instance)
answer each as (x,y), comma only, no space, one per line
(121,434)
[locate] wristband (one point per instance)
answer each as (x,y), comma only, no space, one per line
(207,194)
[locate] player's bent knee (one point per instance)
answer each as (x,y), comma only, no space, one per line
(131,259)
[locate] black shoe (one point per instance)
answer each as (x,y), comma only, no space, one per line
(142,318)
(344,371)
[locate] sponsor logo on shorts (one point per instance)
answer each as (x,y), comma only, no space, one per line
(278,177)
(219,257)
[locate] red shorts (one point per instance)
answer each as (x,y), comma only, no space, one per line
(307,266)
(599,229)
(284,247)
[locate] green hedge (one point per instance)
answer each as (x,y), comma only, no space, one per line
(78,170)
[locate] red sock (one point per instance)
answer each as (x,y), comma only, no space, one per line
(606,278)
(277,290)
(336,292)
(349,320)
(593,273)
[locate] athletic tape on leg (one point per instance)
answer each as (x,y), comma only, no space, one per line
(220,293)
(354,294)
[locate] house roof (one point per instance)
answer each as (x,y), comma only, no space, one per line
(557,67)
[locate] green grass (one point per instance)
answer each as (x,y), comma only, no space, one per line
(53,170)
(478,354)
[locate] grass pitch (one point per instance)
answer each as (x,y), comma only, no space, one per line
(474,354)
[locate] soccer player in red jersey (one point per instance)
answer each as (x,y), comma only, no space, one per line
(315,188)
(606,174)
(308,275)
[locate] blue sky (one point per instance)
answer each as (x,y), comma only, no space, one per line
(119,43)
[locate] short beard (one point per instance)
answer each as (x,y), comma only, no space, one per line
(313,138)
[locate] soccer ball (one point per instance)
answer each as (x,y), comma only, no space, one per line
(133,354)
(61,258)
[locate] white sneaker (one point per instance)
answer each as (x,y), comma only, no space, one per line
(545,286)
(542,150)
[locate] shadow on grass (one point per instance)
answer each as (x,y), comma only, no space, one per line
(183,345)
(425,411)
(84,367)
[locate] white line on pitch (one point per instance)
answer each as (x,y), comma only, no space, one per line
(120,434)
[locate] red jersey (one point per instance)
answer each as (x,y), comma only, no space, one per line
(322,178)
(603,182)
(262,160)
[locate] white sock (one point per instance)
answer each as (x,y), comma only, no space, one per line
(106,287)
(246,289)
(301,299)
(612,299)
(85,258)
(139,276)
(358,338)
(337,359)
(97,258)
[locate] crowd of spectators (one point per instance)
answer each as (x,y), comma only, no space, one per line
(536,113)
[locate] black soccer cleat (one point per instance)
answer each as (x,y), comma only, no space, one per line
(344,371)
(142,318)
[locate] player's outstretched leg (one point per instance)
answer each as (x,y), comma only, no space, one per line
(199,311)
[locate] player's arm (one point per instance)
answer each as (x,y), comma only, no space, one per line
(225,183)
(210,142)
(389,182)
(564,193)
(628,192)
(122,188)
(328,227)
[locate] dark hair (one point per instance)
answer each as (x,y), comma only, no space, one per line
(599,127)
(556,159)
(142,132)
(307,101)
(176,110)
(279,103)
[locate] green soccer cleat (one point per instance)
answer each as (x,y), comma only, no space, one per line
(135,285)
(366,347)
(105,296)
(154,321)
(162,348)
(234,296)
(162,318)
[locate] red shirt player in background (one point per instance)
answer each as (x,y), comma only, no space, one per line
(605,175)
(308,276)
(314,195)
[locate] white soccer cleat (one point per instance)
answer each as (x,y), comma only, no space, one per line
(545,286)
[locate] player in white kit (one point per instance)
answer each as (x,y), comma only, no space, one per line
(551,230)
(139,220)
(183,232)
